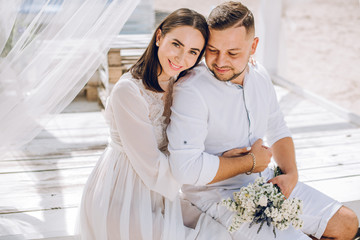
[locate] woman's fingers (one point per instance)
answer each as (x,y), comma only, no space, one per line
(236,152)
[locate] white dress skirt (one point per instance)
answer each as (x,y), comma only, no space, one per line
(131,193)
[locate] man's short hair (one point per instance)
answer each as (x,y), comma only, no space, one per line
(231,14)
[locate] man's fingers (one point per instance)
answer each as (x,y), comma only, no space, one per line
(283,190)
(275,182)
(258,142)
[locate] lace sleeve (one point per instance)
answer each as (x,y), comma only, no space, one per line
(131,116)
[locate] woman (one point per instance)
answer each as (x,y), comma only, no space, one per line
(131,193)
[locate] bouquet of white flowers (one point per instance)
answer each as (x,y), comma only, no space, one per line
(262,202)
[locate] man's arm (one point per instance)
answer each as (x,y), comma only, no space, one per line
(232,166)
(284,154)
(187,131)
(282,145)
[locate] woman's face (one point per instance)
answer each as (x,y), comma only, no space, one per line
(178,50)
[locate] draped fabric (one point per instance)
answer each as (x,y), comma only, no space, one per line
(49,49)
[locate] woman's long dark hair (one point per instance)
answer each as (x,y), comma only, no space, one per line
(146,68)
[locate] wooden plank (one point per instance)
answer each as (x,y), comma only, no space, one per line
(50,177)
(45,164)
(330,172)
(115,73)
(130,41)
(41,185)
(327,151)
(114,58)
(77,120)
(343,133)
(75,133)
(39,224)
(327,140)
(131,53)
(331,107)
(41,202)
(53,146)
(91,93)
(315,119)
(311,162)
(18,156)
(342,189)
(80,105)
(271,15)
(103,94)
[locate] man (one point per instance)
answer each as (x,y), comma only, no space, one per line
(231,104)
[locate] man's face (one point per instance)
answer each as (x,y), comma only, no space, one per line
(228,51)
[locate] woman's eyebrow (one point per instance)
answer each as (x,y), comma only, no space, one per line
(180,43)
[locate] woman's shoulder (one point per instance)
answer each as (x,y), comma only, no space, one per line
(127,83)
(127,86)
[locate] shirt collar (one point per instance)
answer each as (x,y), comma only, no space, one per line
(234,85)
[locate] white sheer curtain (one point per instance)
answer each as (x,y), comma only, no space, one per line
(57,46)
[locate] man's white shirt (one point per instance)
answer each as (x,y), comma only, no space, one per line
(209,117)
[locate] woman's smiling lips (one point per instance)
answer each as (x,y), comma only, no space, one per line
(174,67)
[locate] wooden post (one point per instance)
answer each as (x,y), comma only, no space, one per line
(270,14)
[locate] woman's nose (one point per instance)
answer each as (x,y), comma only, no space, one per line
(180,57)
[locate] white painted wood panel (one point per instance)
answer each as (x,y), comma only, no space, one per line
(41,185)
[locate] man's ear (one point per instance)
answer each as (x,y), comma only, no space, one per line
(254,45)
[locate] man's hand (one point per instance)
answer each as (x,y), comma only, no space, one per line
(284,155)
(286,183)
(262,155)
(232,165)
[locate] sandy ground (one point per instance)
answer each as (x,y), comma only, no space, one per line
(322,44)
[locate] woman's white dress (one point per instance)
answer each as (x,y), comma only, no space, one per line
(123,197)
(131,193)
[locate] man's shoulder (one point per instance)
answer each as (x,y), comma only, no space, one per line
(260,76)
(195,77)
(260,72)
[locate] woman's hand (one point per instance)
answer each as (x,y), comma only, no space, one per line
(236,152)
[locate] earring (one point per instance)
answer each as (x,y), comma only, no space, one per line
(157,44)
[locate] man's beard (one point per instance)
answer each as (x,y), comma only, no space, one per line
(234,76)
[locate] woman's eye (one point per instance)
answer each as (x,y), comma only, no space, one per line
(193,53)
(176,44)
(232,54)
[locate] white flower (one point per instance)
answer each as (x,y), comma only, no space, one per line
(263,201)
(252,199)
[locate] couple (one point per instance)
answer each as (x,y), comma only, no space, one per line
(220,111)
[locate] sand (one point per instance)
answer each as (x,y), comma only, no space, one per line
(321,44)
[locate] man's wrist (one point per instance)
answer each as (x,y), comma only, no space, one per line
(253,163)
(293,174)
